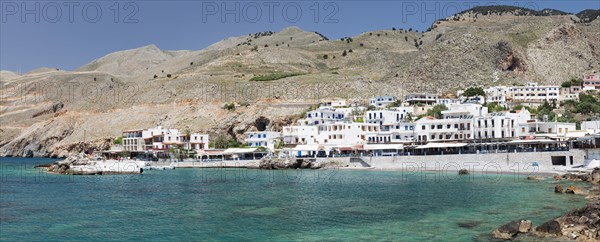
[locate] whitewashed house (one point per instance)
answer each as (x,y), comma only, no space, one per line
(265,139)
(300,135)
(382,101)
(497,95)
(421,98)
(382,117)
(428,129)
(536,128)
(532,92)
(324,115)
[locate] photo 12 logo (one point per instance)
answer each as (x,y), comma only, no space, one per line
(253,12)
(68,12)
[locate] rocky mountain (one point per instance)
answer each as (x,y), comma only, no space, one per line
(275,76)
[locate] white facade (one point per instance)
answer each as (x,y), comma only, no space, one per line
(265,139)
(497,95)
(382,101)
(534,93)
(465,110)
(199,141)
(547,129)
(383,117)
(422,98)
(324,115)
(592,127)
(345,133)
(451,129)
(494,126)
(302,135)
(160,138)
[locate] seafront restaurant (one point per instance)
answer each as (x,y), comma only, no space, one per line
(230,154)
(534,145)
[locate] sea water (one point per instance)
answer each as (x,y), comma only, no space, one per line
(243,204)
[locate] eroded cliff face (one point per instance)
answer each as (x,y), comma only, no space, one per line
(50,112)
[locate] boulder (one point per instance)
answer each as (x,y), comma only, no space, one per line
(583,220)
(558,189)
(463,172)
(574,190)
(557,178)
(551,227)
(595,177)
(525,226)
(507,231)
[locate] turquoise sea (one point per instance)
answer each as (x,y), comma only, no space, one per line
(239,204)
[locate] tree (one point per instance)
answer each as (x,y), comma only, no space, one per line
(474,91)
(436,111)
(572,82)
(222,142)
(118,140)
(325,56)
(344,53)
(494,107)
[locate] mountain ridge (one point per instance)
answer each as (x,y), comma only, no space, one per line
(147,86)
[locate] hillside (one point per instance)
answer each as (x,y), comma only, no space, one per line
(52,109)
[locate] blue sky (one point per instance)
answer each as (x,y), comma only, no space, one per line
(67,35)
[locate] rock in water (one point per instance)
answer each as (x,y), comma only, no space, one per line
(558,189)
(596,175)
(463,172)
(574,190)
(551,227)
(525,226)
(507,231)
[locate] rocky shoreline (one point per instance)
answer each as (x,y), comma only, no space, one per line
(580,224)
(82,165)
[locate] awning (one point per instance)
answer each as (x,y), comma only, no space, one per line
(383,147)
(211,152)
(533,141)
(306,148)
(239,151)
(441,145)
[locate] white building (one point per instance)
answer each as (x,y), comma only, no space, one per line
(324,115)
(545,129)
(494,126)
(300,135)
(592,127)
(497,95)
(383,117)
(265,139)
(421,98)
(160,138)
(465,109)
(401,132)
(448,101)
(534,93)
(382,101)
(199,141)
(438,130)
